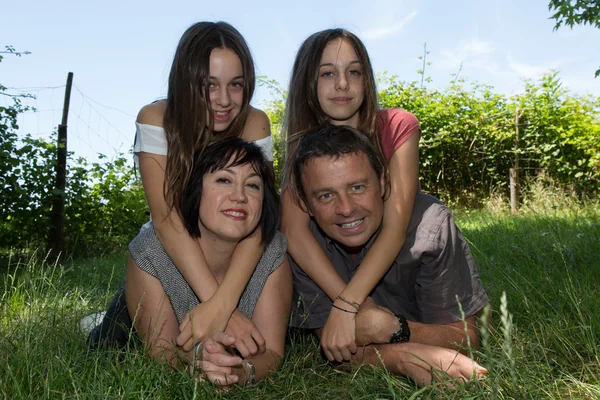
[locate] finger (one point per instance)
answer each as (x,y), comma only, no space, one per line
(243,349)
(328,354)
(222,359)
(184,323)
(260,341)
(184,336)
(221,378)
(345,353)
(189,344)
(224,338)
(212,346)
(251,346)
(352,348)
(474,370)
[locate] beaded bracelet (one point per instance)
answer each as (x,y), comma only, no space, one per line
(351,303)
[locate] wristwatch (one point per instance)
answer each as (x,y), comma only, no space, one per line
(251,373)
(403,334)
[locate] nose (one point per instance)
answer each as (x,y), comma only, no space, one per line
(341,82)
(238,194)
(345,206)
(223,98)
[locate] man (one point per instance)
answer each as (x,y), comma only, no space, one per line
(413,317)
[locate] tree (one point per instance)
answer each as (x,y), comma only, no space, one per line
(576,12)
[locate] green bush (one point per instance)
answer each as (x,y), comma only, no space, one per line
(470,139)
(105,205)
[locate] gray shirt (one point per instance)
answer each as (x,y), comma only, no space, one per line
(151,257)
(432,273)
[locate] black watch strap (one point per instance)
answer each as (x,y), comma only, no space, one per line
(403,334)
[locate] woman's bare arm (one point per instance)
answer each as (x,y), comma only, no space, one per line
(152,315)
(304,248)
(404,179)
(271,317)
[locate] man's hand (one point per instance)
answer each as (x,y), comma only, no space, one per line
(200,323)
(248,339)
(374,324)
(217,364)
(337,339)
(421,362)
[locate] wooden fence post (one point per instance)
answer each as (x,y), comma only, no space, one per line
(56,239)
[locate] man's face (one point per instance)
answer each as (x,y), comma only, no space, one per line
(344,196)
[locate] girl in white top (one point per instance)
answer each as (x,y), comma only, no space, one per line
(210,86)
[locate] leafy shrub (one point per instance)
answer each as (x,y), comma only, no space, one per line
(105,205)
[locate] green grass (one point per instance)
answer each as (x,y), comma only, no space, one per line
(544,344)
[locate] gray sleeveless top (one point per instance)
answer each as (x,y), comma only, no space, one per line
(151,257)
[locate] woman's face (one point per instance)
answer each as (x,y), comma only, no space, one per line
(231,203)
(340,85)
(226,87)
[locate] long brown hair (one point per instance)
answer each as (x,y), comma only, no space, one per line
(187,126)
(303,113)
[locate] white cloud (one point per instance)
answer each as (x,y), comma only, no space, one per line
(474,52)
(389,30)
(531,70)
(477,47)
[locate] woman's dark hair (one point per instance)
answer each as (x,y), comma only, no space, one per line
(187,126)
(334,142)
(224,154)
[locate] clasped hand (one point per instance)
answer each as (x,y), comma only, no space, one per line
(215,362)
(205,319)
(343,331)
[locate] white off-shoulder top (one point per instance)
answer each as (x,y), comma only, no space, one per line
(152,139)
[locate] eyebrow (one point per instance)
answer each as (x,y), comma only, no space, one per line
(364,182)
(233,79)
(332,64)
(230,171)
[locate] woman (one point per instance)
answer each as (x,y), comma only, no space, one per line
(332,82)
(230,195)
(210,87)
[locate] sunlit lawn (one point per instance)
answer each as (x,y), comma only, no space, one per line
(547,263)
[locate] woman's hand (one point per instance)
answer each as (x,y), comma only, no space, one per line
(217,364)
(421,363)
(248,339)
(338,337)
(200,323)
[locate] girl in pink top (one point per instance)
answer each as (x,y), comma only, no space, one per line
(333,82)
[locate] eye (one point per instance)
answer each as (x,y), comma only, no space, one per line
(325,196)
(357,188)
(327,74)
(237,85)
(223,180)
(254,186)
(355,72)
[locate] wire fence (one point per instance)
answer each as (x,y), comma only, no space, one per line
(93,128)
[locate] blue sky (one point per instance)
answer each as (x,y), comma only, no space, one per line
(120,51)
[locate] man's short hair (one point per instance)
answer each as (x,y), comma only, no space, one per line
(335,142)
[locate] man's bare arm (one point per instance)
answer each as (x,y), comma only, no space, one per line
(376,324)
